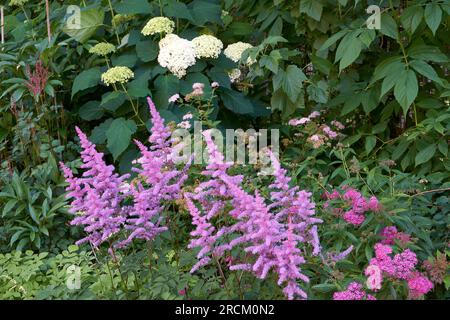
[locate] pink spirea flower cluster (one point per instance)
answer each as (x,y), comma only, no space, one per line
(401,266)
(269,232)
(418,285)
(354,292)
(98,196)
(390,234)
(357,205)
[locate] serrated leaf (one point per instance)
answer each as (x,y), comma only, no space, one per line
(293,82)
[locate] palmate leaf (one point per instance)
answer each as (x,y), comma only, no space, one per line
(90,20)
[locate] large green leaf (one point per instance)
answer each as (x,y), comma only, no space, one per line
(425,154)
(293,81)
(91,111)
(411,18)
(348,50)
(433,16)
(426,70)
(90,20)
(406,89)
(133,7)
(388,26)
(118,136)
(312,8)
(166,86)
(86,79)
(236,101)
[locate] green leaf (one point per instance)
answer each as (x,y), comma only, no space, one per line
(118,136)
(433,16)
(406,89)
(411,18)
(426,70)
(425,155)
(133,7)
(428,53)
(177,9)
(348,50)
(90,20)
(323,65)
(204,11)
(138,88)
(165,86)
(147,50)
(91,111)
(389,26)
(293,82)
(113,100)
(86,79)
(312,8)
(8,206)
(235,101)
(371,141)
(98,135)
(333,39)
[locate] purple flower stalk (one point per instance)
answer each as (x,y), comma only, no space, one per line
(97,195)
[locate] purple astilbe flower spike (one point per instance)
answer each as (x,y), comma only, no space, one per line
(163,182)
(96,196)
(270,234)
(292,203)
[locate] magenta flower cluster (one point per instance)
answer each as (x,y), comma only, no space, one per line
(98,197)
(270,232)
(356,205)
(354,291)
(401,266)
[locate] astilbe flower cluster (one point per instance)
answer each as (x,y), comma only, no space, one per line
(98,196)
(37,79)
(270,233)
(357,205)
(160,182)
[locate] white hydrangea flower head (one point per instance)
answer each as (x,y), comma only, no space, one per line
(168,39)
(234,51)
(234,75)
(177,55)
(102,49)
(158,25)
(207,46)
(117,75)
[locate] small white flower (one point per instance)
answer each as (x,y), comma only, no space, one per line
(234,52)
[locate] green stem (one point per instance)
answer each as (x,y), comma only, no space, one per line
(113,23)
(135,109)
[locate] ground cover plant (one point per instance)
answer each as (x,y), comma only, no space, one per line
(104,194)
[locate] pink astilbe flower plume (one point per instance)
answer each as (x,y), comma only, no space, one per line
(162,182)
(96,195)
(270,233)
